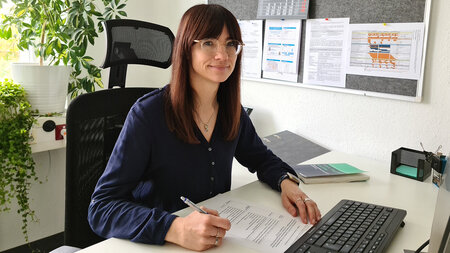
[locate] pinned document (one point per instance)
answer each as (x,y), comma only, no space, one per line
(386,50)
(281,49)
(252,34)
(326,51)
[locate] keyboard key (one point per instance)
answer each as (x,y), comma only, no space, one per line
(311,240)
(332,246)
(346,248)
(333,218)
(303,248)
(321,241)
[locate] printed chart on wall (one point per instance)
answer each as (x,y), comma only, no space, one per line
(387,50)
(281,49)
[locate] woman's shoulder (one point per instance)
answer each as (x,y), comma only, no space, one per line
(153,96)
(152,101)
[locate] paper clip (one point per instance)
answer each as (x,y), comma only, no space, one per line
(422,147)
(384,24)
(437,150)
(326,19)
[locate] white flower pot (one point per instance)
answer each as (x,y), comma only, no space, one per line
(46,86)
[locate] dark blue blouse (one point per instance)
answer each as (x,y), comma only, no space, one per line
(150,168)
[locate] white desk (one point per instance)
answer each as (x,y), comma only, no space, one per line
(383,188)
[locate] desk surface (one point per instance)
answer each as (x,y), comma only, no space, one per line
(383,188)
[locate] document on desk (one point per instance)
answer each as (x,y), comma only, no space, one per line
(258,228)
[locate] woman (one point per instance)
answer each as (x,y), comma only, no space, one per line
(181,140)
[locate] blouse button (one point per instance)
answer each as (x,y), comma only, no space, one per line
(213,163)
(210,193)
(209,149)
(212,179)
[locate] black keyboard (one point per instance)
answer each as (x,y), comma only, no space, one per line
(352,226)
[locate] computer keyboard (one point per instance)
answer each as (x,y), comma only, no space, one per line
(352,226)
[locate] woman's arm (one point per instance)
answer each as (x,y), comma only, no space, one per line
(253,154)
(112,212)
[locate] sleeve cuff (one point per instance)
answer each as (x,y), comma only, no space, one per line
(283,177)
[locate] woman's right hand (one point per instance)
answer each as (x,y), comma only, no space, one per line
(198,231)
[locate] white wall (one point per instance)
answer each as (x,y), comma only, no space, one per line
(371,127)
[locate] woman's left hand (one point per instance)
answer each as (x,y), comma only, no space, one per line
(294,199)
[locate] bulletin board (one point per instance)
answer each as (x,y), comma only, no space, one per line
(360,11)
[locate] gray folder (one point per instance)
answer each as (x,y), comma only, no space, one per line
(292,148)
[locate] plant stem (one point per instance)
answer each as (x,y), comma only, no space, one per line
(41,58)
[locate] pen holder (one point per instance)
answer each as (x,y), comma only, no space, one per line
(410,163)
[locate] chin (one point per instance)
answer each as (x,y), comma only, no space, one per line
(220,79)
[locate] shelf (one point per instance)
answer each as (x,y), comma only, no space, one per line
(42,140)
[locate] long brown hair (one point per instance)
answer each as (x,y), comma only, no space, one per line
(202,21)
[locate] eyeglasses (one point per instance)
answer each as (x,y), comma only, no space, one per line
(211,46)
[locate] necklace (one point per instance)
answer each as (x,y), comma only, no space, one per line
(206,125)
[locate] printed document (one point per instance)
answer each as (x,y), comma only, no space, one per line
(387,50)
(326,51)
(252,34)
(258,228)
(282,49)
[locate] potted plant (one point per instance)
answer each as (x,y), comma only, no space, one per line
(16,163)
(59,32)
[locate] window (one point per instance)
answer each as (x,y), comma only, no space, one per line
(8,51)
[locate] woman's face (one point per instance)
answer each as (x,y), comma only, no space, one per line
(211,60)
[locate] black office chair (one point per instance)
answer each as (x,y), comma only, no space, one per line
(94,120)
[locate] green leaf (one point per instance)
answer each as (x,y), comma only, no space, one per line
(99,82)
(58,46)
(85,64)
(88,58)
(48,50)
(8,34)
(20,13)
(123,13)
(96,13)
(65,60)
(91,40)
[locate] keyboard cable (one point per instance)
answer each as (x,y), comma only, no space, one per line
(423,246)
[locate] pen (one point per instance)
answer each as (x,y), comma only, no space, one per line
(191,204)
(293,178)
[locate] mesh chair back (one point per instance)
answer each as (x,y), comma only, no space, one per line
(94,121)
(135,42)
